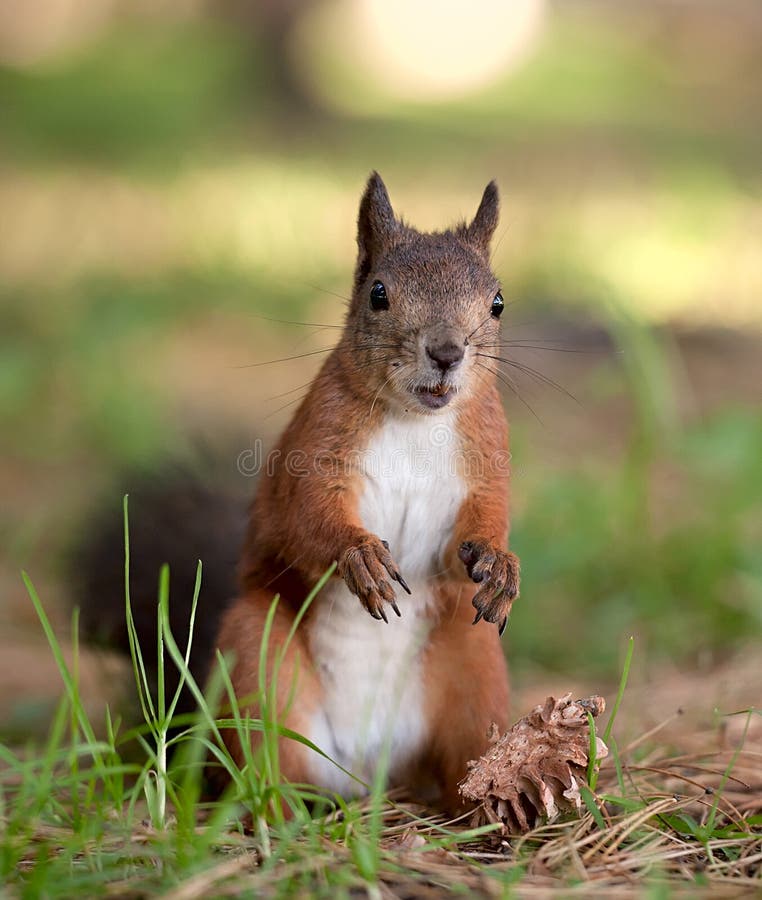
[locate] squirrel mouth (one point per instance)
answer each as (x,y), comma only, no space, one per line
(435,397)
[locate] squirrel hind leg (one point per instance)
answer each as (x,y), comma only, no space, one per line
(463,699)
(297,692)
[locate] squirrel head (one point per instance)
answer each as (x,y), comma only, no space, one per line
(425,306)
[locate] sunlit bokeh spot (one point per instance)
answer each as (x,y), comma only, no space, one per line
(428,50)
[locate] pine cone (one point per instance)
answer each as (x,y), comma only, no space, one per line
(533,771)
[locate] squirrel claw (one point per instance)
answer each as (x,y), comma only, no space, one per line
(497,573)
(402,582)
(369,570)
(396,575)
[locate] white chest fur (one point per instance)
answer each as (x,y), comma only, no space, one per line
(371,672)
(412,490)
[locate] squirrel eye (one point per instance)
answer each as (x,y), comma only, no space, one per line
(497,305)
(378,298)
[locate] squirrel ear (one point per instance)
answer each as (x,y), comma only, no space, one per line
(479,232)
(376,223)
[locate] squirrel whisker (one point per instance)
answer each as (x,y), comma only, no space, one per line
(285,358)
(532,373)
(505,379)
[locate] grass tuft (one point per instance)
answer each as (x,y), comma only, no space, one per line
(77,815)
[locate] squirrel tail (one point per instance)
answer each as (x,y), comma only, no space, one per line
(178,518)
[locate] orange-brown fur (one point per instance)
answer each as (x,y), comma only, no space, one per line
(302,524)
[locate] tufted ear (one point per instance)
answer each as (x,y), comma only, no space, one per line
(479,232)
(376,225)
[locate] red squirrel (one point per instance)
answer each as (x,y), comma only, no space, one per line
(394,467)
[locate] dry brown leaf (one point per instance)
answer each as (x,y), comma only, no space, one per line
(410,839)
(534,771)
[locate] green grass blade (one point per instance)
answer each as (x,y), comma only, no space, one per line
(592,773)
(136,655)
(55,647)
(620,692)
(185,669)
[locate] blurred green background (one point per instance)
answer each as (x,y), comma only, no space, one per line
(174,176)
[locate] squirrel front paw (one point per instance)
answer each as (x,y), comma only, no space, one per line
(497,573)
(365,567)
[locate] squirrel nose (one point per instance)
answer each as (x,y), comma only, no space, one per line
(445,355)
